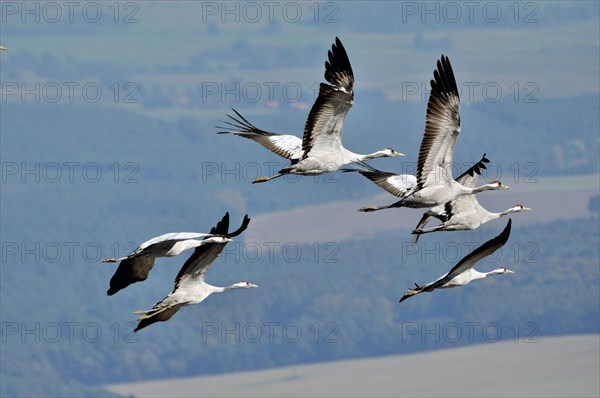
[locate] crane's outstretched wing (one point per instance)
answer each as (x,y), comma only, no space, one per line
(482,251)
(136,266)
(203,256)
(442,126)
(323,129)
(285,145)
(241,229)
(469,177)
(130,270)
(396,184)
(157,316)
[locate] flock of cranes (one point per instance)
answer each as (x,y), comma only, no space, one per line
(190,287)
(451,200)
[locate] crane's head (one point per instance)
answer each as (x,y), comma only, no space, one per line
(389,152)
(518,208)
(243,285)
(497,184)
(499,271)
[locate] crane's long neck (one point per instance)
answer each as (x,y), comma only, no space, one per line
(486,187)
(495,272)
(218,289)
(352,157)
(479,275)
(489,216)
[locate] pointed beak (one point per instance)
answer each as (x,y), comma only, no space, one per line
(506,270)
(2,48)
(398,154)
(505,186)
(526,209)
(252,285)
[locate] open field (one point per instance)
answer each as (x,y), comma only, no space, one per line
(552,366)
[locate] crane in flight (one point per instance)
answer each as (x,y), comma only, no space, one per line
(433,184)
(320,150)
(463,212)
(463,272)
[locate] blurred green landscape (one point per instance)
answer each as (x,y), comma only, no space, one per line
(107,138)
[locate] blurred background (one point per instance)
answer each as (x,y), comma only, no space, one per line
(108,121)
